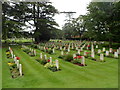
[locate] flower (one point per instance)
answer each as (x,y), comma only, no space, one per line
(48,60)
(46,48)
(87,52)
(88,45)
(7,52)
(18,58)
(79,57)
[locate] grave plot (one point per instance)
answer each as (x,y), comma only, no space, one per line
(14,63)
(48,63)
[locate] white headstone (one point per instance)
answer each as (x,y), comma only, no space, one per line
(110,50)
(68,49)
(62,53)
(17,63)
(45,57)
(40,55)
(116,55)
(99,51)
(53,50)
(50,60)
(57,64)
(81,49)
(93,54)
(83,60)
(74,55)
(35,52)
(107,53)
(78,51)
(101,57)
(20,69)
(96,46)
(103,49)
(85,53)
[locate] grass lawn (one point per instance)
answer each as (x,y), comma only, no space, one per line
(95,75)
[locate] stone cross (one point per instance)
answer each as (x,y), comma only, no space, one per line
(20,69)
(101,57)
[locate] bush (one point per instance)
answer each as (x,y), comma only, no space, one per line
(53,68)
(75,61)
(68,57)
(43,62)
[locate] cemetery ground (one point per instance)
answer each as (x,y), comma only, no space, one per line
(94,75)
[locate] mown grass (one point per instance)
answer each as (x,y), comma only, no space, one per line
(94,75)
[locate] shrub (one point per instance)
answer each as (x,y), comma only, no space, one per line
(68,57)
(75,61)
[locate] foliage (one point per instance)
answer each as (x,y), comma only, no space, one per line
(68,57)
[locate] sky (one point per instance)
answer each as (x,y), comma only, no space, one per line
(78,6)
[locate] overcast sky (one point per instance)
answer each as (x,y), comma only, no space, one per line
(78,6)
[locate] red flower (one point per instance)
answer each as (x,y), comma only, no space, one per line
(88,45)
(79,57)
(18,58)
(75,57)
(46,48)
(87,52)
(48,60)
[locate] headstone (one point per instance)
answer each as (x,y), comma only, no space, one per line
(53,50)
(50,60)
(110,50)
(83,60)
(20,69)
(96,46)
(85,53)
(17,63)
(62,53)
(116,55)
(103,49)
(107,53)
(35,52)
(45,57)
(78,51)
(57,64)
(99,51)
(101,57)
(74,55)
(40,55)
(93,54)
(68,49)
(60,48)
(81,49)
(15,59)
